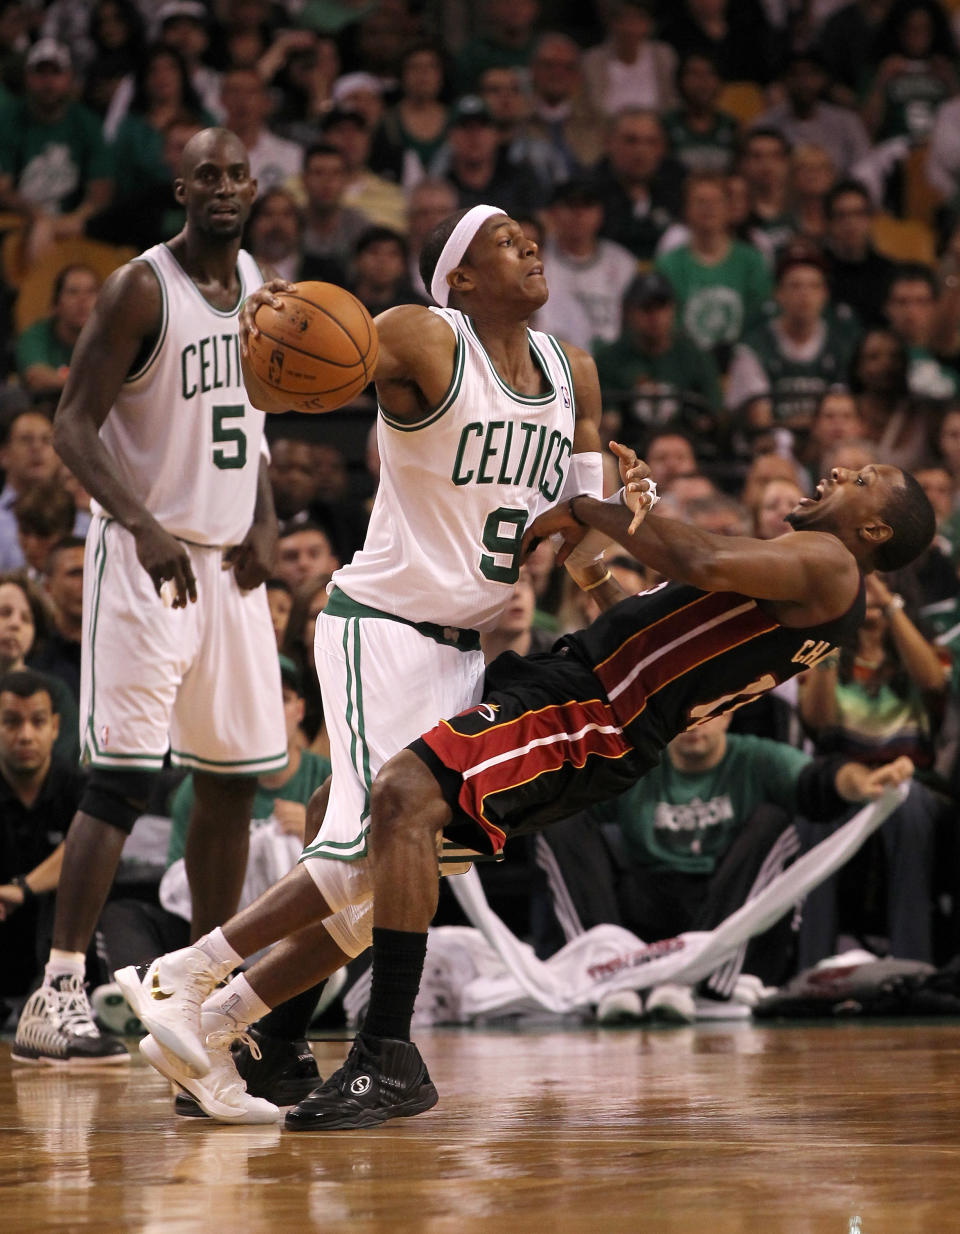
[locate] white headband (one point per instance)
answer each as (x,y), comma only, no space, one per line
(454,249)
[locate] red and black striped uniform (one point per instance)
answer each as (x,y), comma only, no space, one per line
(562,731)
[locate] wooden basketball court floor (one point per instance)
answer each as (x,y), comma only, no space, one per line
(848,1128)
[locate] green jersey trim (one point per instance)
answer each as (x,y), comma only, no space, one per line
(341,605)
(527,400)
(90,747)
(565,364)
(164,322)
(431,417)
(230,312)
(237,766)
(351,850)
(92,752)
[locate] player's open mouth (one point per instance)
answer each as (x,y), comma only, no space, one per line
(536,270)
(817,494)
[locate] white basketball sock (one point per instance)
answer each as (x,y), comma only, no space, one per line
(64,964)
(235,1006)
(219,952)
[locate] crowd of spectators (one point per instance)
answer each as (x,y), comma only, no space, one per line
(748,211)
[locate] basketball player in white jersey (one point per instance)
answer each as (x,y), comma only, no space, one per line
(155,422)
(483,423)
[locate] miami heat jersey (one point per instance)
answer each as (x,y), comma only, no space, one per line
(458,489)
(182,433)
(674,657)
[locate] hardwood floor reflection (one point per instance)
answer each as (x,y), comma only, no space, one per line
(825,1129)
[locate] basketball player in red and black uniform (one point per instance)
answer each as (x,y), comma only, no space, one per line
(561,731)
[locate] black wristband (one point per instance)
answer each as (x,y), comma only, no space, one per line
(28,892)
(573,514)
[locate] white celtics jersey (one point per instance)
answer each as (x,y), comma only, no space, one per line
(182,433)
(458,489)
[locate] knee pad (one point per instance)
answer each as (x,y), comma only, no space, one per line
(117,797)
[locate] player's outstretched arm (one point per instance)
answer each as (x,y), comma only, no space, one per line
(126,316)
(812,570)
(416,360)
(587,567)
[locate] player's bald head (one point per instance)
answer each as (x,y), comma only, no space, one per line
(213,143)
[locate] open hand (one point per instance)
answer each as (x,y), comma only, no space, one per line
(267,294)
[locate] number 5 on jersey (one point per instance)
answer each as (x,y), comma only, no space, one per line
(229,441)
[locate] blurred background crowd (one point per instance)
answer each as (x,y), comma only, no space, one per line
(749,211)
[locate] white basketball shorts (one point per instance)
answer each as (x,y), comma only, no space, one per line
(383,684)
(203,681)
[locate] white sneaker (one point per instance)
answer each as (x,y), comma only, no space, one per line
(57,1029)
(220,1092)
(673,1004)
(619,1007)
(168,1001)
(721,1009)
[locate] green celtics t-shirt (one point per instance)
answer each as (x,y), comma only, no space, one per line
(308,777)
(52,164)
(650,390)
(911,100)
(796,386)
(675,820)
(38,344)
(718,302)
(712,149)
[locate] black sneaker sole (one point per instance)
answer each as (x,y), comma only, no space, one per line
(350,1120)
(47,1060)
(187,1106)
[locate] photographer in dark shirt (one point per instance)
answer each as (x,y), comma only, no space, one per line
(38,798)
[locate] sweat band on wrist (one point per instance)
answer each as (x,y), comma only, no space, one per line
(28,892)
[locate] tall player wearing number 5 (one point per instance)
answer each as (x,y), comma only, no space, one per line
(156,423)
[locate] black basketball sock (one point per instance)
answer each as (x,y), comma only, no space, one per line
(398,959)
(290,1020)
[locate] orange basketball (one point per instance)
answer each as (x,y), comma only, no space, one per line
(318,350)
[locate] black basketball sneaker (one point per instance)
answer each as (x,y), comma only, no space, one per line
(380,1079)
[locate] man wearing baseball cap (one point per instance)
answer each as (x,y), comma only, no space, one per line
(474,162)
(55,169)
(588,274)
(654,375)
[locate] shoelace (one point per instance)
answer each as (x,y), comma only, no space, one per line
(76,1014)
(194,991)
(359,1059)
(224,1074)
